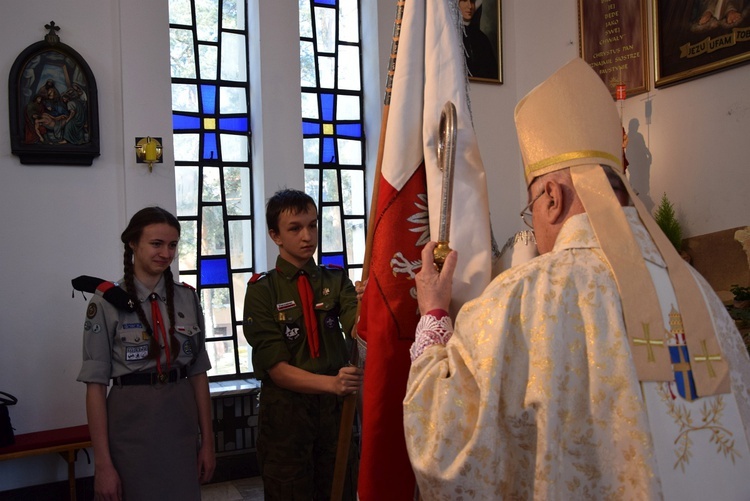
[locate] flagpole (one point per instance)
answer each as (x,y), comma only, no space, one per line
(381,143)
(350,401)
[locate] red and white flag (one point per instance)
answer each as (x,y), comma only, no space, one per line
(429,71)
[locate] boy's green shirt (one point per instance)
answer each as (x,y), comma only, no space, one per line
(274,324)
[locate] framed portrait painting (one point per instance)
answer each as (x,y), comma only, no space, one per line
(695,37)
(53,107)
(482,39)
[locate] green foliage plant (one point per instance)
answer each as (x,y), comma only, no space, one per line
(740,293)
(667,220)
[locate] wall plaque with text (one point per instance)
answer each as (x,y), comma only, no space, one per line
(613,40)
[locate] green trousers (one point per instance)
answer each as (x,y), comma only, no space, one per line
(297,443)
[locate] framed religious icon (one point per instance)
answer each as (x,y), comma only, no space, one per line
(613,39)
(697,37)
(53,107)
(483,39)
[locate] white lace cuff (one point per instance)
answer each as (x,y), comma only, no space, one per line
(431,330)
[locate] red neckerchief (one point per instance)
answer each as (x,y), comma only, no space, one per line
(158,323)
(311,323)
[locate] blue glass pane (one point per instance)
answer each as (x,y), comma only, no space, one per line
(350,130)
(238,124)
(209,146)
(214,272)
(325,2)
(336,259)
(208,94)
(310,128)
(326,105)
(181,122)
(329,153)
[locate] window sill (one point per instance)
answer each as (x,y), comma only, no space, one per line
(233,387)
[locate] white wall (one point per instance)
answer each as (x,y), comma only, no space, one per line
(697,132)
(60,222)
(275,121)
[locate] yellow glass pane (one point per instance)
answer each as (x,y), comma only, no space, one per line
(209,123)
(328,129)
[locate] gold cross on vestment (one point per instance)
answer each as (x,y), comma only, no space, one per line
(708,358)
(648,342)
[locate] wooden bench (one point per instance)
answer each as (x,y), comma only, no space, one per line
(65,441)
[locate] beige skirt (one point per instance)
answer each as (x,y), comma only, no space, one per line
(153,440)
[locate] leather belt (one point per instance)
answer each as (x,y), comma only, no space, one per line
(151,378)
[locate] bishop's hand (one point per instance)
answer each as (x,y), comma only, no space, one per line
(434,287)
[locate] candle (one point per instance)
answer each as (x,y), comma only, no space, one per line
(620,92)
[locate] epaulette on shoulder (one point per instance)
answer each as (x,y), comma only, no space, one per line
(256,277)
(186,285)
(108,290)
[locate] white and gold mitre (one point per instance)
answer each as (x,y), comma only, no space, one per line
(569,119)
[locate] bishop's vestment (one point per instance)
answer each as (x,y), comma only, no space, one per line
(535,396)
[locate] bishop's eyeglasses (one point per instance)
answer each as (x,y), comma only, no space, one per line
(526,211)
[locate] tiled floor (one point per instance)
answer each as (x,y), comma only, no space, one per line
(242,489)
(245,489)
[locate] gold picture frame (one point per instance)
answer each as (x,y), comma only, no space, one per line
(483,39)
(693,39)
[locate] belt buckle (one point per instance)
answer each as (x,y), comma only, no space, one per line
(163,376)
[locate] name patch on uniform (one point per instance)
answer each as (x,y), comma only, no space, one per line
(286,306)
(137,325)
(133,353)
(292,332)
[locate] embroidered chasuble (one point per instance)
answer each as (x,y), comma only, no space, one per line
(536,396)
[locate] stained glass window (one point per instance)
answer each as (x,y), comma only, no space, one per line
(332,127)
(209,64)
